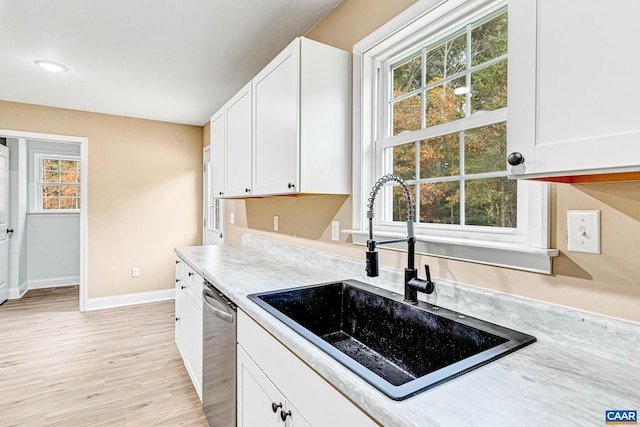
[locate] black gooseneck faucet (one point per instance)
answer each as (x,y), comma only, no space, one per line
(412,284)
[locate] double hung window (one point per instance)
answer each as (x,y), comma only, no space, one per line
(432,109)
(449,100)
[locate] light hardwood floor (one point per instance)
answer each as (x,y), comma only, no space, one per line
(114,367)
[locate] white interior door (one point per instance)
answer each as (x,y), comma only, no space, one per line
(4,225)
(213,231)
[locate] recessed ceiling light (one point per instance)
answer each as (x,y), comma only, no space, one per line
(54,67)
(461,90)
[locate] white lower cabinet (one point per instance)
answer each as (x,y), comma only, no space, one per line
(260,403)
(181,306)
(271,377)
(188,330)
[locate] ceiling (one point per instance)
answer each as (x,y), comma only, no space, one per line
(170,60)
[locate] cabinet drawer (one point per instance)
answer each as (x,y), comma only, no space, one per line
(193,281)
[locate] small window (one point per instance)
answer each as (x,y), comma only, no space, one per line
(58,181)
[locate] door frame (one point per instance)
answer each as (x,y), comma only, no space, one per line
(84,161)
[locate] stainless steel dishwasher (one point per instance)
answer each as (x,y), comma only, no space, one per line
(219,358)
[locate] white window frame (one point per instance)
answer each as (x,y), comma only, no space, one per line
(37,187)
(213,204)
(525,247)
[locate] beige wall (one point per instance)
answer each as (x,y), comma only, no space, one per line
(144,192)
(607,283)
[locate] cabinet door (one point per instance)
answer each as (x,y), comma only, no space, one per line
(238,147)
(217,154)
(193,334)
(573,103)
(276,98)
(180,307)
(320,403)
(256,396)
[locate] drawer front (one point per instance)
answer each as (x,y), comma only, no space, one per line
(194,282)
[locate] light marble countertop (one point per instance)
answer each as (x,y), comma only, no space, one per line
(582,364)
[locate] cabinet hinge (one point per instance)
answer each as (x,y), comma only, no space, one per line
(205,223)
(204,168)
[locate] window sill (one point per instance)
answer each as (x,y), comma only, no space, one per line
(69,212)
(499,254)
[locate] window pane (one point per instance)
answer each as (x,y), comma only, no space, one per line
(404,160)
(69,177)
(68,165)
(489,40)
(50,176)
(67,191)
(50,203)
(400,202)
(447,59)
(50,164)
(489,88)
(440,202)
(406,114)
(485,148)
(407,77)
(50,191)
(443,104)
(440,156)
(491,202)
(67,203)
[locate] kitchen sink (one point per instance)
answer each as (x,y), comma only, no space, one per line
(401,349)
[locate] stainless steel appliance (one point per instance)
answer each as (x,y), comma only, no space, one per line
(219,358)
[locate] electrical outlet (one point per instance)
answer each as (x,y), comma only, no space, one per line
(135,272)
(232,218)
(583,231)
(335,230)
(276,223)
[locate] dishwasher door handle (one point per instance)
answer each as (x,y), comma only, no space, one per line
(213,310)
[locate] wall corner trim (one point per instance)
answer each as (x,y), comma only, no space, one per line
(129,299)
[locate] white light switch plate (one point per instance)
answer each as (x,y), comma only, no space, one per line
(583,230)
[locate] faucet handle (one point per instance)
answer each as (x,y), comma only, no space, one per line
(429,285)
(421,285)
(427,272)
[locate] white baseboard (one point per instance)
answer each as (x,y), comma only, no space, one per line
(16,293)
(54,282)
(129,299)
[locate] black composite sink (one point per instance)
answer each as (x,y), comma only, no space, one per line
(401,349)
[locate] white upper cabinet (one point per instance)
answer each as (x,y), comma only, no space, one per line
(573,95)
(218,141)
(289,130)
(276,103)
(302,121)
(238,147)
